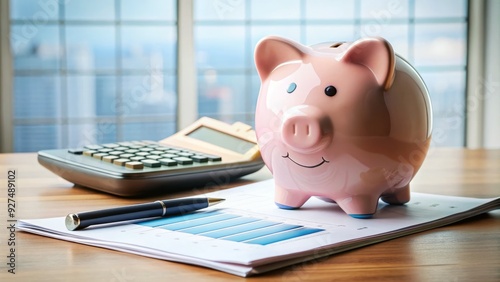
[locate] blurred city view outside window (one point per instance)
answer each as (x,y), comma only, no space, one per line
(94,71)
(431,35)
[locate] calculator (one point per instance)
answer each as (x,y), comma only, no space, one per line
(208,152)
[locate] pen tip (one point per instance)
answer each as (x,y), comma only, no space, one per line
(214,201)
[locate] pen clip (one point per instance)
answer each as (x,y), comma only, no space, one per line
(163,206)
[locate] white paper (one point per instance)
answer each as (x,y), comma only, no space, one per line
(339,232)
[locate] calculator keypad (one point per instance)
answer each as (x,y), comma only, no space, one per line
(139,154)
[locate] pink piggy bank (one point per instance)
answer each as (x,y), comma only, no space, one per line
(347,122)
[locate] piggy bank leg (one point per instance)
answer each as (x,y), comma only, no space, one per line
(398,197)
(289,199)
(359,206)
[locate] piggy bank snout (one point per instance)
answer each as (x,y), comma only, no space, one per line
(306,129)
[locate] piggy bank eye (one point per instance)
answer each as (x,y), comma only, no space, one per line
(291,87)
(330,91)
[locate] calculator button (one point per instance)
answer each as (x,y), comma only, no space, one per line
(127,156)
(146,149)
(168,156)
(120,161)
(185,154)
(78,151)
(134,165)
(167,162)
(153,157)
(109,159)
(137,158)
(105,150)
(93,147)
(183,160)
(99,156)
(110,145)
(89,153)
(156,153)
(172,151)
(213,158)
(142,154)
(116,153)
(131,151)
(151,163)
(199,159)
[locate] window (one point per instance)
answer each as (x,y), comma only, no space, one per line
(92,71)
(89,75)
(432,35)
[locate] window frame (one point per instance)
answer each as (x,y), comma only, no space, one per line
(6,80)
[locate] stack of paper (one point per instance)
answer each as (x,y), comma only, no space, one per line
(247,234)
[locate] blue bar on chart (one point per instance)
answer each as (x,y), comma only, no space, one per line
(197,222)
(290,234)
(233,222)
(233,230)
(252,234)
(231,227)
(175,219)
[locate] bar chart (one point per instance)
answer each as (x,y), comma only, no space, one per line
(231,227)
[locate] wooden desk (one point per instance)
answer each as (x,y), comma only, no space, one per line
(466,251)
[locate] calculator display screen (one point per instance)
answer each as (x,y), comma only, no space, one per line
(221,139)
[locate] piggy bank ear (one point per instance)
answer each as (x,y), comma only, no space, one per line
(377,55)
(273,51)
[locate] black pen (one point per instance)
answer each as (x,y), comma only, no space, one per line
(75,221)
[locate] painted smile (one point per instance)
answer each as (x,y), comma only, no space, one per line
(306,166)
